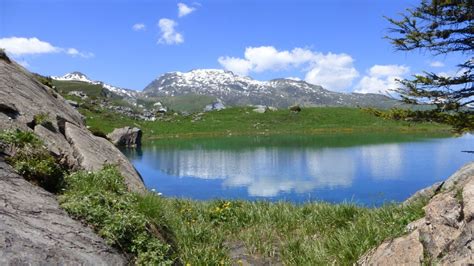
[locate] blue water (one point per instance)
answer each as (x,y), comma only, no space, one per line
(367,174)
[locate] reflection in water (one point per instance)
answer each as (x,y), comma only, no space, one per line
(264,171)
(384,161)
(393,170)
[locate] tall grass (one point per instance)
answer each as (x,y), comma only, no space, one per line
(168,230)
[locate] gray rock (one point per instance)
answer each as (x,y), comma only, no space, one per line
(406,250)
(73,103)
(22,97)
(94,152)
(446,233)
(215,106)
(34,230)
(126,137)
(260,109)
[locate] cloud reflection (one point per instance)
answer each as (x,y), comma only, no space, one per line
(265,172)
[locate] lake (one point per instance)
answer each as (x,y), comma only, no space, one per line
(368,169)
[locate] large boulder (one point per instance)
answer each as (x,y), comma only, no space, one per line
(444,236)
(34,230)
(27,104)
(93,152)
(126,137)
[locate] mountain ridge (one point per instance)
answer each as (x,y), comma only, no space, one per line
(235,90)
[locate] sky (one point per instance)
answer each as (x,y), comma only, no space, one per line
(338,44)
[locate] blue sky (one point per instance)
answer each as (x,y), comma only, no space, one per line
(335,43)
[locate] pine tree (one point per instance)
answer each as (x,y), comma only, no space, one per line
(439,27)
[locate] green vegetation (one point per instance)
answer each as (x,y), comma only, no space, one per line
(44,120)
(182,103)
(29,157)
(460,121)
(441,27)
(243,121)
(102,200)
(92,90)
(205,233)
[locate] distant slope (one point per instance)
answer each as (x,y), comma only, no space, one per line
(78,81)
(237,90)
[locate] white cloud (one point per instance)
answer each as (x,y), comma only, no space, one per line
(381,79)
(72,51)
(333,71)
(388,70)
(436,64)
(24,46)
(236,65)
(75,52)
(20,46)
(184,10)
(169,35)
(138,27)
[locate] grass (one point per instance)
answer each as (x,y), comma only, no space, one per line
(243,121)
(203,233)
(92,90)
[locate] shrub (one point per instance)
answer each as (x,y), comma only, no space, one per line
(103,201)
(461,121)
(44,120)
(295,109)
(19,138)
(31,160)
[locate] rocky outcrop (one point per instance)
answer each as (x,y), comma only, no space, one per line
(93,152)
(126,137)
(23,100)
(35,231)
(444,236)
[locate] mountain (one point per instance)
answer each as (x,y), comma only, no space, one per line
(80,77)
(236,90)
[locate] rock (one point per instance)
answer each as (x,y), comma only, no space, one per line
(93,152)
(22,97)
(73,103)
(468,199)
(260,109)
(214,106)
(446,233)
(428,192)
(126,137)
(34,230)
(406,250)
(79,94)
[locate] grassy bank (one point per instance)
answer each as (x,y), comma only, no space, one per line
(243,121)
(224,232)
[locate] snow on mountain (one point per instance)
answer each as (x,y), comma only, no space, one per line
(236,90)
(74,76)
(78,76)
